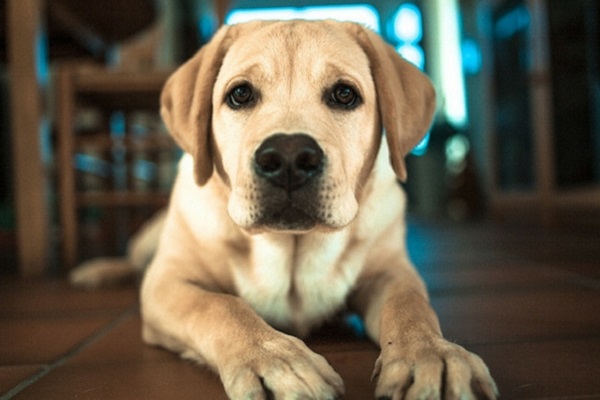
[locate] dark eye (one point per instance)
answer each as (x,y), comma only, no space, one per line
(240,96)
(344,96)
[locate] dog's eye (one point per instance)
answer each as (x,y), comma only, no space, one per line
(240,96)
(344,96)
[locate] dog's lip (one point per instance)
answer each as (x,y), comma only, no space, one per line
(289,217)
(291,210)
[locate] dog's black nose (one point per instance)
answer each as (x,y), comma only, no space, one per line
(289,161)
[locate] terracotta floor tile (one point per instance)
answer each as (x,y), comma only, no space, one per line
(355,368)
(51,298)
(11,376)
(489,277)
(568,369)
(166,380)
(513,316)
(41,341)
(526,300)
(438,245)
(341,346)
(585,269)
(123,344)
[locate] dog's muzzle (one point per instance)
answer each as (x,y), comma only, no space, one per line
(289,165)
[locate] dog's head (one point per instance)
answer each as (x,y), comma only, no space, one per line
(290,114)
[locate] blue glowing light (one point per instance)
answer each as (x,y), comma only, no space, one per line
(362,13)
(471,56)
(512,22)
(421,148)
(413,53)
(407,23)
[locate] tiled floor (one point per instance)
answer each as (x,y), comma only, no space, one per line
(527,300)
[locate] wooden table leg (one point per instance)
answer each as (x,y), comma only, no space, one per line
(30,186)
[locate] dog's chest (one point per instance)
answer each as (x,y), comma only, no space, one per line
(297,282)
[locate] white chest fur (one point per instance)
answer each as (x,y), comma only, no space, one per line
(296,281)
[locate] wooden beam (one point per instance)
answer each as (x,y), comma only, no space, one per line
(30,187)
(221,9)
(67,201)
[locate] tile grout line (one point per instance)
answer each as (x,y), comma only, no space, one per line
(46,369)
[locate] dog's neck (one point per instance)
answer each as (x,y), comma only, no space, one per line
(295,289)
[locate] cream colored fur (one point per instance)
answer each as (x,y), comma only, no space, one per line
(228,278)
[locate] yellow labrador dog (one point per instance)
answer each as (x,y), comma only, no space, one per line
(286,209)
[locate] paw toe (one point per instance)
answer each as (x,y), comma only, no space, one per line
(452,373)
(393,380)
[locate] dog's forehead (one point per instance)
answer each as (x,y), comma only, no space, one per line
(292,45)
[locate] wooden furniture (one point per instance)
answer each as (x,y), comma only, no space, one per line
(543,112)
(30,183)
(28,52)
(108,126)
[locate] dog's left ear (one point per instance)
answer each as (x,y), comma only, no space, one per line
(405,96)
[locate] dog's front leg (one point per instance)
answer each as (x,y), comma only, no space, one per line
(253,360)
(416,362)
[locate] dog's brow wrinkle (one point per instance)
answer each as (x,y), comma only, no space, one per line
(201,285)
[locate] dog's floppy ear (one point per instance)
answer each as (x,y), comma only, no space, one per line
(405,96)
(186,102)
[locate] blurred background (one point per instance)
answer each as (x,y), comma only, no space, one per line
(85,158)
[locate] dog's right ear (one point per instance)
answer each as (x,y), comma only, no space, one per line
(186,102)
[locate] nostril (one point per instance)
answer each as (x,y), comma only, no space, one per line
(309,160)
(269,161)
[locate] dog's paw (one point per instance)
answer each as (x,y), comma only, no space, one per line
(443,371)
(284,368)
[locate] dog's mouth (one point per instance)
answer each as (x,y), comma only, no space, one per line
(287,217)
(273,209)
